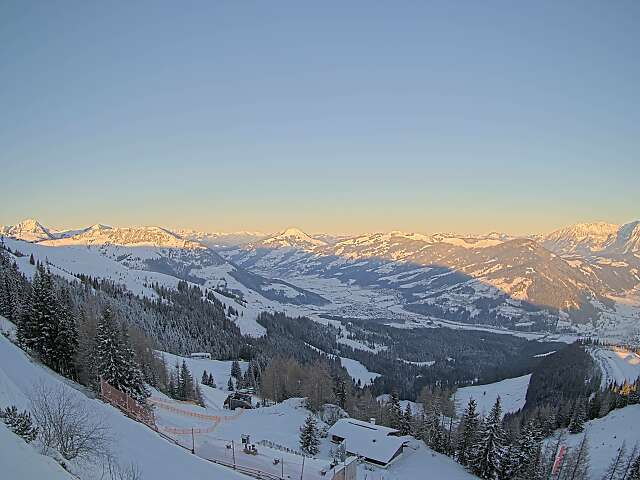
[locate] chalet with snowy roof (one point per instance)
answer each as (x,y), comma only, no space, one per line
(375,444)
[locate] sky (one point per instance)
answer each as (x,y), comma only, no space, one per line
(338,117)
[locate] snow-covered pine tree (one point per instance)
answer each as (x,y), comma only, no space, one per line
(37,311)
(489,448)
(114,360)
(66,342)
(236,372)
(205,378)
(212,382)
(634,394)
(137,387)
(431,431)
(230,384)
(309,436)
(185,383)
(198,395)
(19,423)
(340,391)
(523,460)
(577,420)
(406,420)
(394,411)
(467,432)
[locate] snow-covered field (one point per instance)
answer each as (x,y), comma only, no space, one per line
(606,435)
(358,371)
(512,393)
(617,364)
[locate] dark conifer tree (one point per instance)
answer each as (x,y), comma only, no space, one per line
(577,421)
(406,420)
(114,360)
(394,411)
(489,449)
(468,432)
(236,372)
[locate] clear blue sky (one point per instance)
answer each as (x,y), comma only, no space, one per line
(332,116)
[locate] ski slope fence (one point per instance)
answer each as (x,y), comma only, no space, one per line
(128,405)
(276,446)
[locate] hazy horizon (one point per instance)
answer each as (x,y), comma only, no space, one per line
(63,227)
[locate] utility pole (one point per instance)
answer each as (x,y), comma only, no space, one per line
(233,451)
(282,464)
(302,471)
(193,442)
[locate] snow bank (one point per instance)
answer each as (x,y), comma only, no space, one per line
(20,460)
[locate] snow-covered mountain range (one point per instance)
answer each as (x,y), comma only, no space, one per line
(585,277)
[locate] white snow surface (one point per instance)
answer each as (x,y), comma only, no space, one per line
(617,364)
(358,371)
(512,393)
(605,436)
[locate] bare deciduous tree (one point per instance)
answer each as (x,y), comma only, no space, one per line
(112,470)
(68,424)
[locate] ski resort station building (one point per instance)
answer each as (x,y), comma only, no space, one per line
(373,443)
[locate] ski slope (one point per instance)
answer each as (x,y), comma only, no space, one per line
(133,442)
(358,371)
(512,393)
(617,364)
(606,435)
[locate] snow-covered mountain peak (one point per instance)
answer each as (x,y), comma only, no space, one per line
(627,239)
(98,227)
(29,230)
(581,238)
(126,236)
(293,237)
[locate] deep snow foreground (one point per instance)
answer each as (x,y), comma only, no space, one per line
(156,457)
(19,460)
(512,393)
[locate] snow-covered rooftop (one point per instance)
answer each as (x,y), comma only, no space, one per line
(368,440)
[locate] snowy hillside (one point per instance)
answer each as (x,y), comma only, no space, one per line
(617,364)
(606,435)
(581,238)
(139,258)
(512,393)
(516,283)
(589,286)
(215,430)
(156,457)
